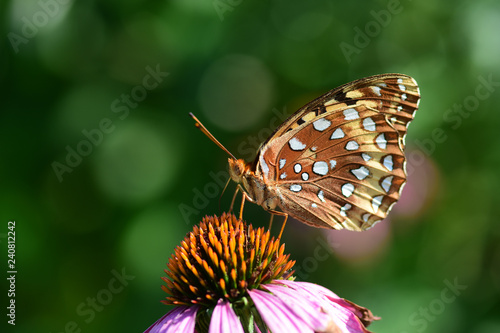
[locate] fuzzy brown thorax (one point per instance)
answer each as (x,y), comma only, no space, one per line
(255,186)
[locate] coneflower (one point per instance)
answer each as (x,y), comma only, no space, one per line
(229,277)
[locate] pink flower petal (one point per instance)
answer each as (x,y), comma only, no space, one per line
(224,319)
(362,313)
(312,288)
(310,312)
(343,317)
(180,320)
(275,313)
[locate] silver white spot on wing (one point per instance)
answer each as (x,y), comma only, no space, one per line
(361,173)
(313,205)
(314,148)
(295,144)
(305,176)
(376,90)
(337,134)
(366,217)
(297,168)
(400,191)
(321,196)
(366,157)
(282,163)
(264,166)
(321,124)
(376,202)
(351,114)
(320,168)
(352,145)
(376,222)
(283,175)
(381,141)
(345,208)
(333,163)
(369,124)
(403,97)
(388,163)
(400,85)
(295,188)
(400,108)
(347,189)
(387,183)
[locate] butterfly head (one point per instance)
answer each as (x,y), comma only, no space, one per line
(237,169)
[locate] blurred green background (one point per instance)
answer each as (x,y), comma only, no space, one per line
(104,172)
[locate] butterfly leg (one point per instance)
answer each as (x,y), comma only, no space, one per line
(275,212)
(243,198)
(234,198)
(271,221)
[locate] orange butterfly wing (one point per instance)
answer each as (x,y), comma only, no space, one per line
(339,162)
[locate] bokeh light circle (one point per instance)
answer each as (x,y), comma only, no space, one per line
(235,92)
(135,163)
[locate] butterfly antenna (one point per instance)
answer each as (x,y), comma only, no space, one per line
(209,135)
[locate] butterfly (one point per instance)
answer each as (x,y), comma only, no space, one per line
(338,162)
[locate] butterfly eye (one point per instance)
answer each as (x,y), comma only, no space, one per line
(236,169)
